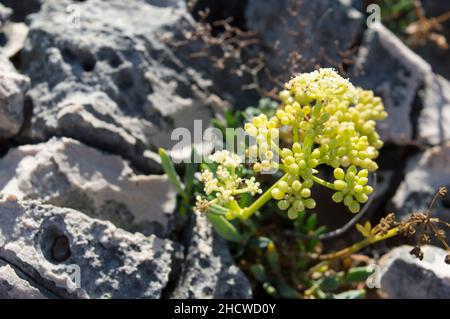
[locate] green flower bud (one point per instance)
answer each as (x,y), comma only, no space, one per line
(283,186)
(308,183)
(292,213)
(305,192)
(283,204)
(293,169)
(296,186)
(338,197)
(296,148)
(277,193)
(339,185)
(347,200)
(368,190)
(354,207)
(362,198)
(298,205)
(310,203)
(339,173)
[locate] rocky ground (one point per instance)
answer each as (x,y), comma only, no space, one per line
(90,89)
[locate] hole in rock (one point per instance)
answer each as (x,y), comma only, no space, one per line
(55,245)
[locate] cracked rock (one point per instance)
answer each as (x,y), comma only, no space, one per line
(209,270)
(12,286)
(74,256)
(109,80)
(403,276)
(64,172)
(13,87)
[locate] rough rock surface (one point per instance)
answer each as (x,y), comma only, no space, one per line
(12,286)
(14,35)
(405,277)
(106,78)
(317,30)
(75,256)
(13,87)
(413,95)
(395,78)
(64,172)
(424,174)
(433,124)
(208,270)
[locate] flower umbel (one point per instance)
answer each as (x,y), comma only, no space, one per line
(224,184)
(332,123)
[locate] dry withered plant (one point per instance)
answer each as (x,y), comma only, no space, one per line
(422,224)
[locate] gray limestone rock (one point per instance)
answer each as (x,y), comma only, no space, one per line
(424,174)
(74,256)
(103,75)
(209,270)
(415,98)
(395,73)
(12,286)
(64,172)
(319,31)
(13,87)
(403,276)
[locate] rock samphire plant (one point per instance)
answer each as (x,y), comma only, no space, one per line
(322,123)
(329,122)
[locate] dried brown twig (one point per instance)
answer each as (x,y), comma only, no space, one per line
(427,29)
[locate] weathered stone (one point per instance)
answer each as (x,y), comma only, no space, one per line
(63,172)
(209,270)
(416,99)
(424,174)
(403,276)
(108,80)
(12,286)
(433,124)
(13,87)
(319,31)
(74,256)
(15,35)
(395,73)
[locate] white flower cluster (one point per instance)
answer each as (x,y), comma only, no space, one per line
(320,84)
(225,184)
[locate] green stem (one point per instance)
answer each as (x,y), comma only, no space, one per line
(360,245)
(275,147)
(310,135)
(264,198)
(322,182)
(328,258)
(295,131)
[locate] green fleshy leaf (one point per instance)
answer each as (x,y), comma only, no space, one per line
(329,283)
(169,169)
(357,274)
(189,173)
(224,228)
(311,222)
